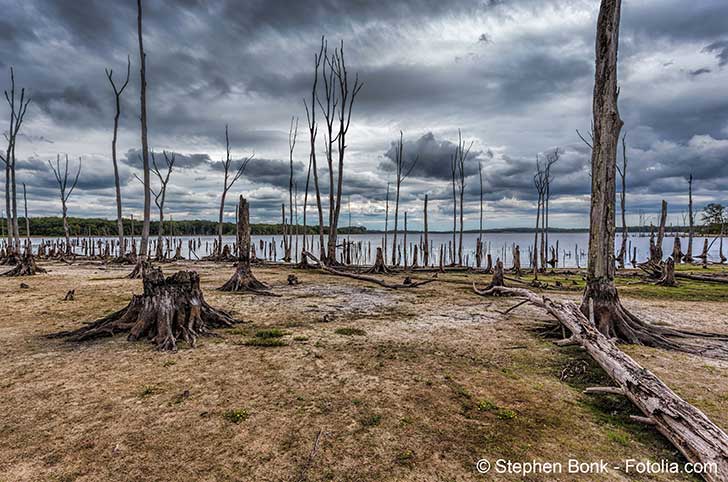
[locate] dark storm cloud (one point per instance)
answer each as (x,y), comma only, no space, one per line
(516,76)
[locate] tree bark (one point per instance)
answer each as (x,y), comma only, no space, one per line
(143,250)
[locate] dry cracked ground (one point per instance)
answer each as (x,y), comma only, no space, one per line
(356,383)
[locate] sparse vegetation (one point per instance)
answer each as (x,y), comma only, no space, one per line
(350,331)
(236,415)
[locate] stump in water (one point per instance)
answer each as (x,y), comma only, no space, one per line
(243,278)
(379,266)
(26,267)
(668,274)
(516,261)
(677,254)
(170,309)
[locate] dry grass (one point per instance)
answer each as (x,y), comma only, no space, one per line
(435,382)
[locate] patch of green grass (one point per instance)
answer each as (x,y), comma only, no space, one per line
(618,437)
(265,342)
(405,457)
(505,414)
(148,391)
(350,331)
(371,420)
(236,415)
(486,406)
(168,363)
(300,338)
(270,333)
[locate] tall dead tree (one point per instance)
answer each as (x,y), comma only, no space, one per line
(230,175)
(540,185)
(117,183)
(402,171)
(601,300)
(336,108)
(691,220)
(144,249)
(386,220)
(61,175)
(622,203)
(426,242)
(479,247)
(551,159)
(656,255)
(313,132)
(459,159)
(18,108)
(292,135)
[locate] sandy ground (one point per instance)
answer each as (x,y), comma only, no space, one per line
(438,380)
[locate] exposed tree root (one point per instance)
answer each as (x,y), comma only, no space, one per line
(169,310)
(379,266)
(687,428)
(408,283)
(26,267)
(244,280)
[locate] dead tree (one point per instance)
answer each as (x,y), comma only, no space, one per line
(144,249)
(26,265)
(313,132)
(230,176)
(160,196)
(402,171)
(479,244)
(551,159)
(243,278)
(292,135)
(117,183)
(379,267)
(677,254)
(540,185)
(668,273)
(691,220)
(61,175)
(18,109)
(336,108)
(657,251)
(459,157)
(426,246)
(27,219)
(622,203)
(169,310)
(600,296)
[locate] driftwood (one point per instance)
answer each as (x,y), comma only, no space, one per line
(170,309)
(408,283)
(686,427)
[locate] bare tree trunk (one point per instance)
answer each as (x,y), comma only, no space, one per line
(660,233)
(117,182)
(145,144)
(691,220)
(386,221)
(622,203)
(426,248)
(27,219)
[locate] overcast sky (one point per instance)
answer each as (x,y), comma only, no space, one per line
(515,76)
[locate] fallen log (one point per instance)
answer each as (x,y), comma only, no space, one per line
(686,427)
(408,283)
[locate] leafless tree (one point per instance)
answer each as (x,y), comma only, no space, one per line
(117,102)
(65,190)
(458,162)
(160,195)
(402,171)
(386,220)
(691,220)
(27,219)
(313,132)
(144,249)
(540,185)
(551,159)
(622,203)
(18,108)
(479,247)
(336,107)
(292,135)
(231,175)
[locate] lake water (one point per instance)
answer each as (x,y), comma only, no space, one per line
(572,247)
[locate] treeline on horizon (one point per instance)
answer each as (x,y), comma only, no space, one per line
(52,226)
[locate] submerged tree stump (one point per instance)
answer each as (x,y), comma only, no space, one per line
(170,309)
(243,278)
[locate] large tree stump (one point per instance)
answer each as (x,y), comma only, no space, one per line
(243,278)
(498,279)
(25,267)
(170,309)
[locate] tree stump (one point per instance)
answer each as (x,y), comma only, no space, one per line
(498,279)
(668,274)
(170,309)
(516,261)
(26,267)
(243,278)
(379,266)
(677,254)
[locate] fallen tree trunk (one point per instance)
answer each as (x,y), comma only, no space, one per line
(686,427)
(408,283)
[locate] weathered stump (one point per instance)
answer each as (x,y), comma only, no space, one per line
(379,266)
(668,274)
(170,309)
(26,266)
(498,279)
